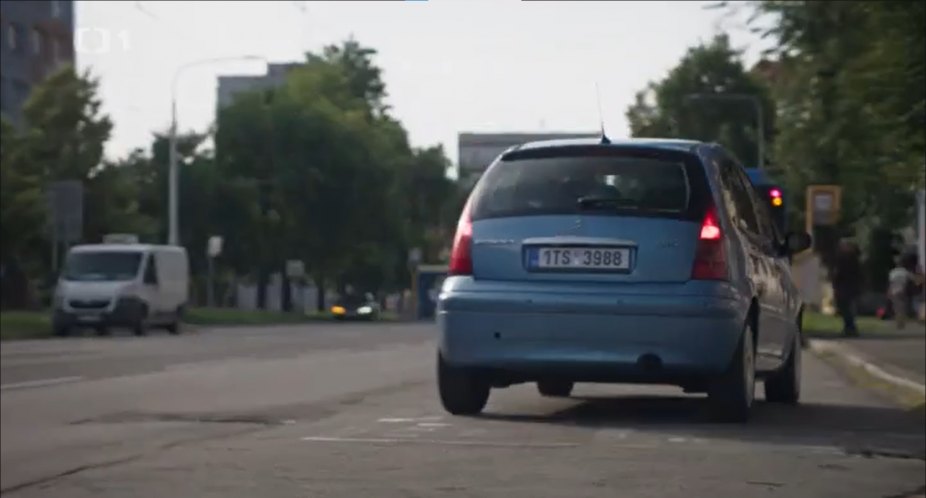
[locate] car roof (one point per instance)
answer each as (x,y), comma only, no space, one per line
(655,143)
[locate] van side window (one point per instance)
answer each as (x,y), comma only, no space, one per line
(151,271)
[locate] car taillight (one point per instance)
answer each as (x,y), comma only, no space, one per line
(710,261)
(461,260)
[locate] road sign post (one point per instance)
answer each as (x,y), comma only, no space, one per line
(213,249)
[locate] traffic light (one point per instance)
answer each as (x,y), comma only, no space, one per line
(775,195)
(777,206)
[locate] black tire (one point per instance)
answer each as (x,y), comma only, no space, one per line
(140,327)
(173,328)
(461,392)
(61,330)
(555,388)
(732,394)
(101,330)
(784,386)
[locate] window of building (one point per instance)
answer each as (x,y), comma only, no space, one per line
(38,42)
(14,38)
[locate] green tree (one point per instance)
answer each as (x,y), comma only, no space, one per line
(64,136)
(665,109)
(65,127)
(330,173)
(851,96)
(22,219)
(364,77)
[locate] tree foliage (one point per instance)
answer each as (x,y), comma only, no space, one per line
(858,92)
(316,170)
(666,108)
(851,93)
(337,183)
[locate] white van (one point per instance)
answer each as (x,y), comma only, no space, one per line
(127,285)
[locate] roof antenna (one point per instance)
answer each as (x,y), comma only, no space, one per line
(604,136)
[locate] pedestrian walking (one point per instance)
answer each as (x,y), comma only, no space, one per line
(898,291)
(847,285)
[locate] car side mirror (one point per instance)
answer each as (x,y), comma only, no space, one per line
(796,242)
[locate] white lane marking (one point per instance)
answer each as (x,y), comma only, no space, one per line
(39,383)
(433,424)
(383,440)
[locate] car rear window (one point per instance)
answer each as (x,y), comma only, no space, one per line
(625,184)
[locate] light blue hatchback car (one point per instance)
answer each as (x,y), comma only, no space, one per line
(640,261)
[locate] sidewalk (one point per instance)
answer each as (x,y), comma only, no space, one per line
(892,355)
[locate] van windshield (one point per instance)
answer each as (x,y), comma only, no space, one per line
(107,266)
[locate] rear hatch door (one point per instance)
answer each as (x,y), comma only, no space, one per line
(589,214)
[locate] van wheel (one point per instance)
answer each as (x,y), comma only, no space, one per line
(461,391)
(140,327)
(555,388)
(61,331)
(732,394)
(174,327)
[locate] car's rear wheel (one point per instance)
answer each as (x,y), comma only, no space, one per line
(732,394)
(784,386)
(462,392)
(555,388)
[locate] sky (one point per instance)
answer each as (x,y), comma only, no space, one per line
(450,66)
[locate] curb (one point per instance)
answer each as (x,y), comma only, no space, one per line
(848,356)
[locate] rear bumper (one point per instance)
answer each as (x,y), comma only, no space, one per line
(608,338)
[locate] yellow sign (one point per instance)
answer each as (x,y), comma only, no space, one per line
(824,204)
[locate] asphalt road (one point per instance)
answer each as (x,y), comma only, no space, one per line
(350,411)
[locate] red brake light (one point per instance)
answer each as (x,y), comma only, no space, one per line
(775,193)
(710,261)
(461,260)
(710,228)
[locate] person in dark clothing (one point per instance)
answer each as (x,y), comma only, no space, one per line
(847,284)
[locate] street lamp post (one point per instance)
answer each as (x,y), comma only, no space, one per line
(760,116)
(173,232)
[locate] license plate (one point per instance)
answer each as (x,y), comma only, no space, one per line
(88,318)
(580,258)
